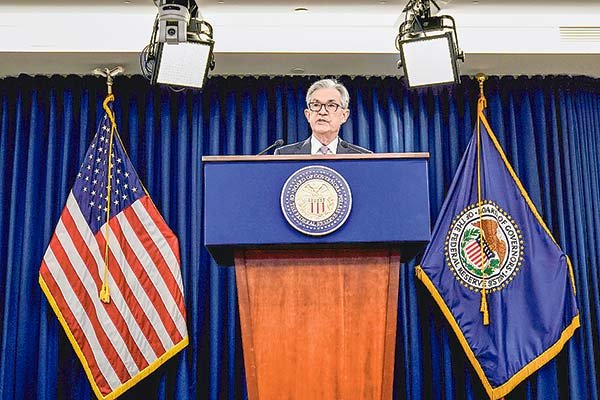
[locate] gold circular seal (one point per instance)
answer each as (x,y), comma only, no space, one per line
(316,200)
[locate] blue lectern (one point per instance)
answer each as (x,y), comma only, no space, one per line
(317,311)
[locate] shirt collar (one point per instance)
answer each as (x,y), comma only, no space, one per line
(315,145)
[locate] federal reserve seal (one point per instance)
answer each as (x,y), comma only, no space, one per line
(484,249)
(316,200)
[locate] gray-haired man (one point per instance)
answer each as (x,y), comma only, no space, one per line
(327,109)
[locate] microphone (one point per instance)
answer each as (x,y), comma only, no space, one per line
(351,146)
(276,144)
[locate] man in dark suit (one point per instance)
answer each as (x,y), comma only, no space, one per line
(327,109)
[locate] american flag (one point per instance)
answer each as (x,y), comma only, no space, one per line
(144,324)
(473,250)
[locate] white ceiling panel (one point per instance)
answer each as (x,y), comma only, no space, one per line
(333,37)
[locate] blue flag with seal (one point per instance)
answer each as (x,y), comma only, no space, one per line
(494,269)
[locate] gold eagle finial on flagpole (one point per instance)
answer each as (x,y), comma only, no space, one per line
(109,74)
(480,77)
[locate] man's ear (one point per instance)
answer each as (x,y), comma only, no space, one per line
(346,114)
(307,114)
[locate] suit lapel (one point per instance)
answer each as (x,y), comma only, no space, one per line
(304,146)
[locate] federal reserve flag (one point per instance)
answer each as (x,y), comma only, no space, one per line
(492,266)
(111,271)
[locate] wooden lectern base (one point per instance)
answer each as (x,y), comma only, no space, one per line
(318,323)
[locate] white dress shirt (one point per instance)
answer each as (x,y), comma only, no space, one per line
(315,146)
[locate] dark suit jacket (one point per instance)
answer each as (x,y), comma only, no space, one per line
(303,147)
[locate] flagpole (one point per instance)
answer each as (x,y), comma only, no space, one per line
(108,74)
(481,105)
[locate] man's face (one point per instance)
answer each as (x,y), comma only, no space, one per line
(325,121)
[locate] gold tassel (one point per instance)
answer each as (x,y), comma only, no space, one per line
(105,293)
(484,308)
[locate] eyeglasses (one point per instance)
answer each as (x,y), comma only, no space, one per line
(316,107)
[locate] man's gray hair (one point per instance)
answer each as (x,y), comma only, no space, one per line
(329,84)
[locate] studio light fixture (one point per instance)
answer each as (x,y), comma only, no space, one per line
(428,46)
(180,52)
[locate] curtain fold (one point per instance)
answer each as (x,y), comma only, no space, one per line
(549,128)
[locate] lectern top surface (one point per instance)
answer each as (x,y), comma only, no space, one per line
(371,156)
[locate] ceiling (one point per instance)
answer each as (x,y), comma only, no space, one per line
(334,37)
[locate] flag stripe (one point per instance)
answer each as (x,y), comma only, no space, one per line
(127,310)
(161,233)
(153,264)
(83,287)
(474,253)
(153,324)
(82,318)
(163,230)
(59,297)
(116,309)
(133,325)
(144,268)
(149,217)
(144,227)
(89,245)
(130,291)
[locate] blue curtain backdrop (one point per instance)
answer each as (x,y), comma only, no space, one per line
(549,128)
